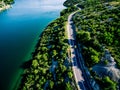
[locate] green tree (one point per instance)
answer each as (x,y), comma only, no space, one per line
(68,86)
(83,36)
(93,51)
(94,59)
(51,84)
(35,63)
(110,85)
(70,74)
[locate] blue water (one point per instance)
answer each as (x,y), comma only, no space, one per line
(20,27)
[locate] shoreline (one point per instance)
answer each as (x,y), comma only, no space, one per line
(4,8)
(41,44)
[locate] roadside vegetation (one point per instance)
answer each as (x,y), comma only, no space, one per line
(98,28)
(50,68)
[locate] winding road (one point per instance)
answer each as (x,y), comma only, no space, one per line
(80,75)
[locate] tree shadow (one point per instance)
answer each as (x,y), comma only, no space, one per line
(26,64)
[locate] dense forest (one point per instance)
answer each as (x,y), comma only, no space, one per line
(98,28)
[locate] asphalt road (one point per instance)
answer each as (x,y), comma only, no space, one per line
(82,81)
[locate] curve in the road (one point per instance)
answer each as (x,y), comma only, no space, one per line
(78,69)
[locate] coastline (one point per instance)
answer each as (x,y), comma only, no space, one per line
(4,10)
(59,40)
(46,49)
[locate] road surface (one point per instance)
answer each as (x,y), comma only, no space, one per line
(78,68)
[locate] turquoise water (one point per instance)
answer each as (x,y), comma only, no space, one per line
(20,28)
